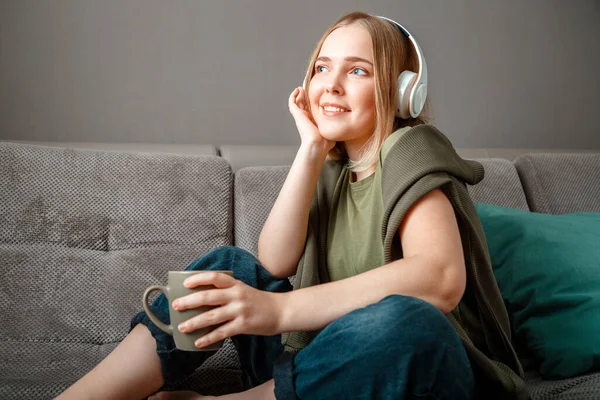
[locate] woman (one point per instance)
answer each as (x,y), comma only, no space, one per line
(394,295)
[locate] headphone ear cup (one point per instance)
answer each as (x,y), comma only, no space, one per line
(418,100)
(406,81)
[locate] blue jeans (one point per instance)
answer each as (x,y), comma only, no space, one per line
(399,348)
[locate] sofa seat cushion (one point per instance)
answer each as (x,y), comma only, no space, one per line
(583,387)
(42,369)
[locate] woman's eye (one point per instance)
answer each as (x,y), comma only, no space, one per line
(359,71)
(320,68)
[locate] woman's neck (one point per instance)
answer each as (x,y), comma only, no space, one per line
(358,176)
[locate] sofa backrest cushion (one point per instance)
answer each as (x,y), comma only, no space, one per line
(84,232)
(256,189)
(561,183)
(500,185)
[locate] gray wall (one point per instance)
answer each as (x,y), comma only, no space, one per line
(501,73)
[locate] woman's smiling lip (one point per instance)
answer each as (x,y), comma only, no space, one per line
(333,109)
(334,105)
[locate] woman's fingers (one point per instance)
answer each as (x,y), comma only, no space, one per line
(305,123)
(209,318)
(301,99)
(298,105)
(298,100)
(216,279)
(210,297)
(292,101)
(224,331)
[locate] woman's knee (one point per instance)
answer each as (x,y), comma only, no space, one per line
(394,312)
(396,325)
(403,343)
(400,312)
(244,265)
(225,258)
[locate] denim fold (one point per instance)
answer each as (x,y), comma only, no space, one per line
(400,347)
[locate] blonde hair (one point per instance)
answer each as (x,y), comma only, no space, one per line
(392,54)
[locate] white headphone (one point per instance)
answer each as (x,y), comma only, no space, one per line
(412,87)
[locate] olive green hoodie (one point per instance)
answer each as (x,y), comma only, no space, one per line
(421,160)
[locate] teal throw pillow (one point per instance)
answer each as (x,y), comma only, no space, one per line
(548,271)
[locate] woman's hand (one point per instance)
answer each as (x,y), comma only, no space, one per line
(309,133)
(242,308)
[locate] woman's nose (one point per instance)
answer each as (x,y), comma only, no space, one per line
(332,87)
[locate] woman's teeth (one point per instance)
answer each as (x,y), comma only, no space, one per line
(334,109)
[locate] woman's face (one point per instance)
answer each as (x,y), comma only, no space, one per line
(342,90)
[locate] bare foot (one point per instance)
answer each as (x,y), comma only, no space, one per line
(179,395)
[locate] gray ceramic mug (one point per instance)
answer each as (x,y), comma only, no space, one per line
(175,290)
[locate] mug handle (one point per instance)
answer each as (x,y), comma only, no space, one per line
(163,327)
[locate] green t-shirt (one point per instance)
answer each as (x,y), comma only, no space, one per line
(354,243)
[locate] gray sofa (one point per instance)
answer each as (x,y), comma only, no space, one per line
(84,231)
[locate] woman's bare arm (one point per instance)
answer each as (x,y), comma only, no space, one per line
(283,236)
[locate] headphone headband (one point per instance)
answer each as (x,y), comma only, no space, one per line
(412,90)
